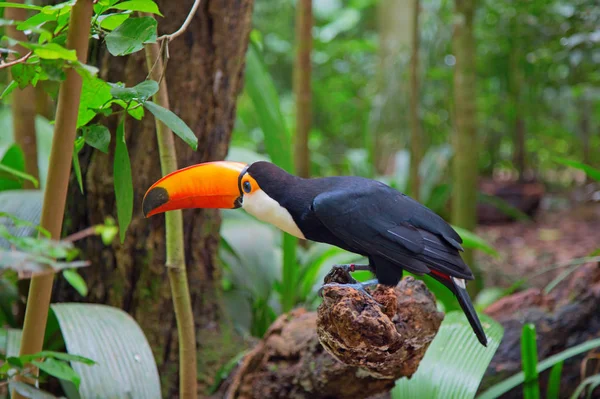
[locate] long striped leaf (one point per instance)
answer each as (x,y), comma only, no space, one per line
(455,362)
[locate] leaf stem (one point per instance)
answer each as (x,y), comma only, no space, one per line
(175,259)
(186,23)
(55,196)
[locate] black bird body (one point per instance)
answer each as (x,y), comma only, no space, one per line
(359,215)
(369,218)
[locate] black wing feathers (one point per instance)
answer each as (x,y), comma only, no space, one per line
(387,225)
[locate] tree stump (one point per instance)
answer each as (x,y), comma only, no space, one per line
(354,346)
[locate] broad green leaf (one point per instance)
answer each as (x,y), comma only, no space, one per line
(9,88)
(454,363)
(529,361)
(174,123)
(25,74)
(122,181)
(52,51)
(29,391)
(12,168)
(58,369)
(112,21)
(76,281)
(35,21)
(503,387)
(138,5)
(94,94)
(473,241)
(140,92)
(15,159)
(589,170)
(553,391)
(77,146)
(97,136)
(131,35)
(125,366)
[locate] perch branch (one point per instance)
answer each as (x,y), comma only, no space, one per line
(354,346)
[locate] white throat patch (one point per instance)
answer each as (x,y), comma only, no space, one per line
(265,208)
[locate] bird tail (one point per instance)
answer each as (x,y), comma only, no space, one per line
(459,289)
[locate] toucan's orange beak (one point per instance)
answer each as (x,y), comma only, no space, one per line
(206,185)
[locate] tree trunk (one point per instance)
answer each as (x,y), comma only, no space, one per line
(302,85)
(415,127)
(464,171)
(516,105)
(388,120)
(205,74)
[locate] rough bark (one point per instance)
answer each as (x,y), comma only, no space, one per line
(415,125)
(302,86)
(205,74)
(351,348)
(565,317)
(464,139)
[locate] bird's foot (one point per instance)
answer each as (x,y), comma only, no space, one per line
(356,285)
(341,273)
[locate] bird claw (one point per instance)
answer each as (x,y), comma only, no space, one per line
(357,286)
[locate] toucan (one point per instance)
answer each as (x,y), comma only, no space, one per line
(363,216)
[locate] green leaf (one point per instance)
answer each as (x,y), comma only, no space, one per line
(97,136)
(529,360)
(590,171)
(112,21)
(25,74)
(76,281)
(131,35)
(138,5)
(67,357)
(52,51)
(454,363)
(19,5)
(503,387)
(174,123)
(122,181)
(29,391)
(58,369)
(553,391)
(114,340)
(4,167)
(140,92)
(94,94)
(15,159)
(473,241)
(260,87)
(77,146)
(11,86)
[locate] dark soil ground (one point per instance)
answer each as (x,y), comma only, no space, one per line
(554,236)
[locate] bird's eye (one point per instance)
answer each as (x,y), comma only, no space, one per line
(247,187)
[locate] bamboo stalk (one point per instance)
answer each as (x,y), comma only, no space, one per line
(416,151)
(302,85)
(55,195)
(175,259)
